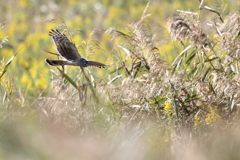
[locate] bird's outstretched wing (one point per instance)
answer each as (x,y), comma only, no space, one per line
(58,62)
(96,64)
(69,51)
(64,47)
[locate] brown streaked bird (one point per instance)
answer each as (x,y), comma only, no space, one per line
(68,50)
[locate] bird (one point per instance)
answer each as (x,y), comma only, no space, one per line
(66,49)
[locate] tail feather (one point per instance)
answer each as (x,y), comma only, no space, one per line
(96,64)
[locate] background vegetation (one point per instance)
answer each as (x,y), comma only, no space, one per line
(171,90)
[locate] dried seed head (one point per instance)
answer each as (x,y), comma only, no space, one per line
(178,28)
(230,35)
(187,25)
(200,39)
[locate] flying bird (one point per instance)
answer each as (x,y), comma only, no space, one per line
(68,50)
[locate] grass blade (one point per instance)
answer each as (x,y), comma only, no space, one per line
(209,60)
(68,79)
(191,56)
(8,63)
(204,76)
(112,80)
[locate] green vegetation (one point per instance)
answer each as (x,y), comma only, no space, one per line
(170,90)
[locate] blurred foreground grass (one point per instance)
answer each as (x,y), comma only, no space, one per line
(158,99)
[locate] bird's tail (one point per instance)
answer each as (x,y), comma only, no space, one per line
(57,62)
(96,64)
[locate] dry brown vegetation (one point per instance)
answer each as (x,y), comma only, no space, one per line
(144,107)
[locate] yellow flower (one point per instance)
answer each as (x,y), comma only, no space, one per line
(33,72)
(42,83)
(77,39)
(23,62)
(212,116)
(168,109)
(23,3)
(25,80)
(197,121)
(50,26)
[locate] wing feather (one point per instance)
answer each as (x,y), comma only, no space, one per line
(64,47)
(58,62)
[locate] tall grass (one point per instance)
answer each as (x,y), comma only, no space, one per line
(144,107)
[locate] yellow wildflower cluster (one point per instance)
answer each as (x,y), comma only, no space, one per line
(168,109)
(197,121)
(212,117)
